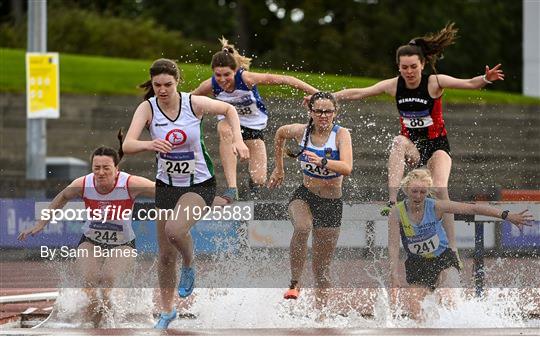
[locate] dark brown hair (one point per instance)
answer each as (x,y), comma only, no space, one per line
(110,152)
(429,47)
(160,66)
(315,97)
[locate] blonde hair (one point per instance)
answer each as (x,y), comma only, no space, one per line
(417,174)
(229,57)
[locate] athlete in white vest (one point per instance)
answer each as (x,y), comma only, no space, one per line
(325,157)
(185,176)
(108,238)
(232,82)
(431,264)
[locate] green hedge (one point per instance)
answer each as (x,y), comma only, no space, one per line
(79,31)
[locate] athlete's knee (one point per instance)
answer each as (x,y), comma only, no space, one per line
(399,142)
(176,233)
(302,229)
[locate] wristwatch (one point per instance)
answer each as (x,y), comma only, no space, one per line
(324,161)
(504,214)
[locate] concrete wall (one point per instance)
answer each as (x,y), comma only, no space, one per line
(493,146)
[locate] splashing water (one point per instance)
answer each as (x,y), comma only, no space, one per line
(258,307)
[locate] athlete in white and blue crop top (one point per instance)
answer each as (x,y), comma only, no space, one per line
(325,156)
(233,83)
(430,262)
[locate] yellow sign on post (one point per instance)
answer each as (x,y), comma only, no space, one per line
(42,85)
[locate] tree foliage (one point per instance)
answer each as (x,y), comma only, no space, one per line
(357,37)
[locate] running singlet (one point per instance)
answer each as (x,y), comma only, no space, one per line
(428,238)
(248,103)
(189,162)
(420,115)
(329,151)
(108,227)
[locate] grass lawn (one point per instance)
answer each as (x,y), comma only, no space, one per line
(91,75)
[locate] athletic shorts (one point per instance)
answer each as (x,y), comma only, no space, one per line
(425,271)
(325,212)
(167,196)
(427,147)
(84,238)
(248,133)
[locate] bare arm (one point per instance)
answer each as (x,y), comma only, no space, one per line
(141,118)
(141,186)
(291,131)
(445,81)
(204,105)
(204,89)
(252,79)
(447,206)
(342,166)
(72,191)
(386,86)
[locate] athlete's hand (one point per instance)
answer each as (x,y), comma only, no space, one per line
(494,74)
(313,158)
(276,178)
(160,145)
(30,231)
(241,150)
(305,101)
(521,219)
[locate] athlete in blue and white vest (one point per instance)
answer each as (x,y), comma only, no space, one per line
(316,206)
(247,101)
(328,151)
(232,82)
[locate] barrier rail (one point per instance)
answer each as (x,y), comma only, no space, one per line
(362,227)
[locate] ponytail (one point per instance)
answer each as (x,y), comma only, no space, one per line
(430,47)
(229,57)
(120,137)
(309,128)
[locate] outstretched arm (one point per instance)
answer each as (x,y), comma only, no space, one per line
(141,186)
(448,206)
(386,86)
(204,89)
(72,191)
(204,105)
(491,75)
(252,79)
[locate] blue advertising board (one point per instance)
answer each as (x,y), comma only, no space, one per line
(512,237)
(18,214)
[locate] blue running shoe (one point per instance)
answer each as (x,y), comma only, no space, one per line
(165,318)
(187,282)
